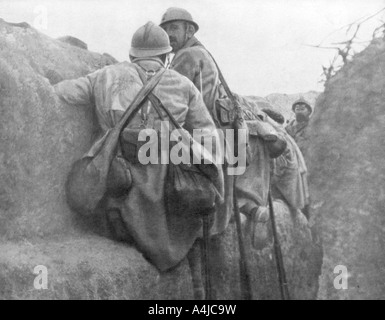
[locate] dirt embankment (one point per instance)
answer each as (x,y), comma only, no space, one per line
(347,166)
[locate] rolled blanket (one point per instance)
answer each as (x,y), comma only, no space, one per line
(275,115)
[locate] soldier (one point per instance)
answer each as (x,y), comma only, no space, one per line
(297,128)
(141,215)
(193,61)
(191,58)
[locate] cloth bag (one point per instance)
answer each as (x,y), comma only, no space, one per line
(189,188)
(89,177)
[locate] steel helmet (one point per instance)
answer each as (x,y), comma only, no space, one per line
(178,14)
(302,100)
(149,41)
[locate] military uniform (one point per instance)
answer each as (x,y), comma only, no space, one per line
(163,238)
(194,62)
(298,132)
(290,174)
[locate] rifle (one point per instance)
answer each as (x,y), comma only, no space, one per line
(237,124)
(206,257)
(244,262)
(283,286)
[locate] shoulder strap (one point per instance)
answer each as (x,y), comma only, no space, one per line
(238,111)
(154,100)
(138,100)
(239,121)
(222,78)
(158,105)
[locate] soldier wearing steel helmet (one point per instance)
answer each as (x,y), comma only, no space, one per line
(297,128)
(140,216)
(191,58)
(194,62)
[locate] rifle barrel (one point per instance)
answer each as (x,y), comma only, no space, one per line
(245,269)
(283,286)
(206,257)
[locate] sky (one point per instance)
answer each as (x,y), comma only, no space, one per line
(262,46)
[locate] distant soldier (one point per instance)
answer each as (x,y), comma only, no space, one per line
(297,128)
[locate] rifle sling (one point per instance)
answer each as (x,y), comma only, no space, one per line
(245,269)
(223,81)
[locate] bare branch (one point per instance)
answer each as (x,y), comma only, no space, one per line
(382,26)
(383,9)
(350,25)
(318,46)
(361,22)
(348,48)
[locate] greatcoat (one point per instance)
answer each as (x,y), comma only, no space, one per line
(163,238)
(194,62)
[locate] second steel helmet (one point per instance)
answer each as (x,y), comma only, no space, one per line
(178,14)
(302,100)
(149,41)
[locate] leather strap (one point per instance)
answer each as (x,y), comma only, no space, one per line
(158,105)
(136,104)
(238,122)
(237,108)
